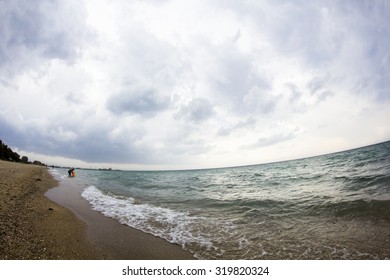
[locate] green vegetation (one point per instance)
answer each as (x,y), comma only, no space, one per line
(7,154)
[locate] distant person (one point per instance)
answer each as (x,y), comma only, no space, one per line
(71,172)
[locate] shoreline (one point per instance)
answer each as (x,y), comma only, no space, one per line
(113,239)
(42,218)
(32,227)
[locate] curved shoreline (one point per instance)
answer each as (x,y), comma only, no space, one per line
(35,225)
(32,226)
(113,239)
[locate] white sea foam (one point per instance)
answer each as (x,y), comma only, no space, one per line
(317,208)
(176,227)
(53,172)
(56,174)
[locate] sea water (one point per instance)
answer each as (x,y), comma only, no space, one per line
(334,206)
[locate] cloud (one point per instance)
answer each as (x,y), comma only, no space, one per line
(190,84)
(272,140)
(79,140)
(235,80)
(197,110)
(318,83)
(259,101)
(33,32)
(248,123)
(138,100)
(274,135)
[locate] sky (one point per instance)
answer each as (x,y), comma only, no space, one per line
(182,84)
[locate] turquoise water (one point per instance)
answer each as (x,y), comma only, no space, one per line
(334,206)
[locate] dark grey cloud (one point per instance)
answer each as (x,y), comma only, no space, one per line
(295,92)
(321,86)
(89,144)
(252,63)
(325,95)
(97,147)
(142,101)
(271,140)
(227,130)
(197,110)
(318,83)
(34,31)
(267,141)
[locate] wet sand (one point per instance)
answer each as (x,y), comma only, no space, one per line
(35,227)
(32,226)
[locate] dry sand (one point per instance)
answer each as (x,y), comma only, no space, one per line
(32,226)
(35,227)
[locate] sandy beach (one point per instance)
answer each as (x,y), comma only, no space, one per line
(35,227)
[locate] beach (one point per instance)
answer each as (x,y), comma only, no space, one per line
(334,206)
(32,226)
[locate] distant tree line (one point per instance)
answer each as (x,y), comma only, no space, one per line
(7,154)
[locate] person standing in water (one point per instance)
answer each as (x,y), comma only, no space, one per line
(71,172)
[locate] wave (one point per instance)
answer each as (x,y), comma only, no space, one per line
(174,226)
(56,174)
(323,207)
(354,209)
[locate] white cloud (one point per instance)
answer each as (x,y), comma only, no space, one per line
(182,84)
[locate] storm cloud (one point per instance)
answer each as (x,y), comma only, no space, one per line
(192,84)
(140,101)
(36,32)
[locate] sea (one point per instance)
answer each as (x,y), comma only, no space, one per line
(334,206)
